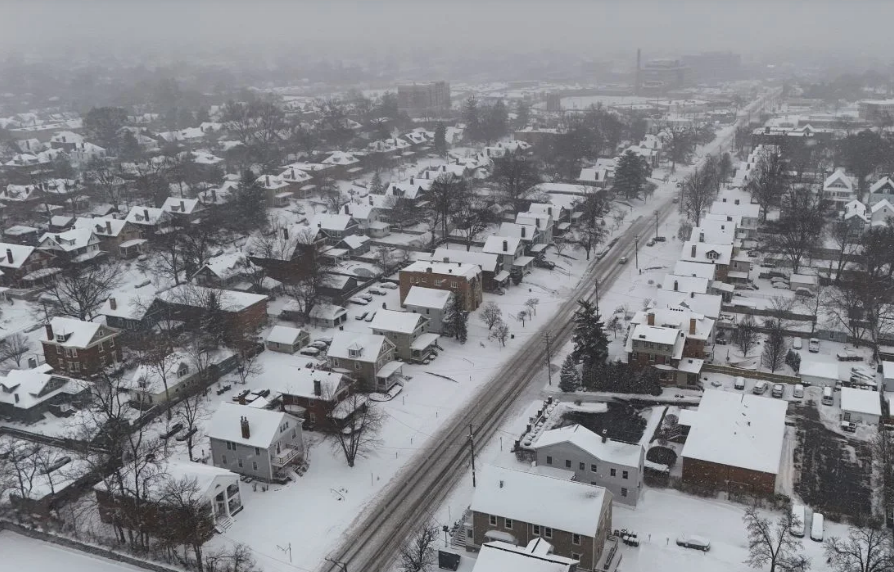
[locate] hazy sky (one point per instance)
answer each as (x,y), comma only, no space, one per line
(749,26)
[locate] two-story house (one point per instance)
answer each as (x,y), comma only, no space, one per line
(838,189)
(82,349)
(509,506)
(258,443)
(117,238)
(323,396)
(182,210)
(492,274)
(26,395)
(26,266)
(335,227)
(672,340)
(431,303)
(276,191)
(369,219)
(543,223)
(408,332)
(595,459)
(242,312)
(165,379)
(76,246)
(461,278)
(510,249)
(718,255)
(149,220)
(368,358)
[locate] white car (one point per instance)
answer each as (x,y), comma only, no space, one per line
(366,297)
(358,300)
(813,345)
(309,351)
(693,541)
(388,285)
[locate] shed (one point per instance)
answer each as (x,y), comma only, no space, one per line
(286,339)
(803,281)
(888,375)
(860,406)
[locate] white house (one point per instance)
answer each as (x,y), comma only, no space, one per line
(146,386)
(888,375)
(431,303)
(286,339)
(838,189)
(860,406)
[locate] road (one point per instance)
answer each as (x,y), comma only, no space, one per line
(423,484)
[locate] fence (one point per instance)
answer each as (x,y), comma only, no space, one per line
(751,374)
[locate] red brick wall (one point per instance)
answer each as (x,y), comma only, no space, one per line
(468,290)
(87,358)
(706,473)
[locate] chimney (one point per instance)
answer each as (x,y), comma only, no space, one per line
(426,175)
(17,397)
(9,255)
(285,234)
(108,227)
(523,231)
(267,180)
(691,326)
(411,180)
(701,237)
(183,206)
(146,214)
(604,435)
(676,286)
(246,431)
(505,246)
(693,251)
(213,195)
(428,270)
(501,483)
(651,318)
(49,328)
(370,201)
(318,388)
(113,304)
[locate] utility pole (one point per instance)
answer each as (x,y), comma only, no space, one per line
(596,283)
(656,225)
(636,249)
(472,447)
(549,359)
(344,567)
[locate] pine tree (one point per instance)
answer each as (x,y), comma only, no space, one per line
(456,320)
(440,143)
(249,203)
(472,119)
(569,378)
(630,176)
(589,337)
(375,185)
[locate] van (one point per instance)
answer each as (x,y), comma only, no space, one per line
(796,527)
(827,396)
(797,343)
(816,528)
(739,383)
(798,391)
(759,387)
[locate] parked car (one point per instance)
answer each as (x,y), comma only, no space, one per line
(660,239)
(693,541)
(371,317)
(797,343)
(376,291)
(361,316)
(622,260)
(601,254)
(309,351)
(778,390)
(780,285)
(847,354)
(813,345)
(798,391)
(358,300)
(543,263)
(760,388)
(388,285)
(739,382)
(676,200)
(804,292)
(366,297)
(849,426)
(319,345)
(651,242)
(796,528)
(816,528)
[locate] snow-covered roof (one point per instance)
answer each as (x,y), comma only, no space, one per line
(25,388)
(697,269)
(501,244)
(838,180)
(705,304)
(675,283)
(332,222)
(860,401)
(301,381)
(526,232)
(127,305)
(888,369)
(68,241)
(885,181)
(209,480)
(284,335)
(706,252)
(392,321)
(537,499)
(612,451)
(101,226)
(77,334)
(655,334)
(733,209)
(502,556)
(355,241)
(357,347)
(149,379)
(175,205)
(432,298)
(455,268)
(677,318)
(19,255)
(737,429)
(340,158)
(147,216)
(326,312)
(227,265)
(195,296)
(487,261)
(264,425)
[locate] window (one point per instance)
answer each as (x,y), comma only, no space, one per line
(493,520)
(575,556)
(536,530)
(582,466)
(549,460)
(568,464)
(102,347)
(257,451)
(59,350)
(623,492)
(651,357)
(72,352)
(111,342)
(623,474)
(575,539)
(547,532)
(453,284)
(74,366)
(356,365)
(633,355)
(592,468)
(614,472)
(507,522)
(254,465)
(223,459)
(102,361)
(239,462)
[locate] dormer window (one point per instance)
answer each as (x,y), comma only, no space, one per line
(354,352)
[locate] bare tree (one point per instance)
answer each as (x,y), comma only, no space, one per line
(191,411)
(768,182)
(237,558)
(14,347)
(499,333)
(80,292)
(418,554)
(796,234)
(522,316)
(699,191)
(187,521)
(160,362)
(167,261)
(491,314)
(747,335)
(516,177)
(248,365)
(770,543)
(866,549)
(471,218)
(358,434)
(842,234)
(590,229)
(775,346)
(531,304)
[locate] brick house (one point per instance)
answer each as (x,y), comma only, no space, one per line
(320,397)
(243,312)
(734,442)
(25,266)
(517,507)
(82,349)
(461,278)
(671,340)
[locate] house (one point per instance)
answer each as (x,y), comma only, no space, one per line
(254,442)
(276,190)
(735,442)
(26,266)
(543,223)
(146,385)
(718,255)
(517,507)
(431,303)
(321,395)
(60,223)
(327,315)
(881,190)
(117,238)
(744,214)
(50,479)
(243,312)
(182,210)
(880,212)
(286,340)
(463,279)
(408,332)
(127,313)
(613,465)
(671,340)
(528,233)
(860,405)
(24,235)
(537,556)
(708,305)
(594,177)
(26,395)
(557,212)
(83,349)
(149,220)
(76,246)
(334,227)
(216,490)
(838,189)
(225,271)
(806,281)
(298,182)
(368,358)
(888,375)
(355,245)
(492,274)
(369,218)
(511,250)
(695,269)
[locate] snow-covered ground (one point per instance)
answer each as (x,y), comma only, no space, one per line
(24,554)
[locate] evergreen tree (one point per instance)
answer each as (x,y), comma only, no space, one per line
(569,378)
(440,143)
(248,204)
(496,122)
(456,320)
(376,187)
(630,176)
(472,119)
(589,337)
(522,114)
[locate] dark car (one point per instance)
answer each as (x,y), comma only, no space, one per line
(543,263)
